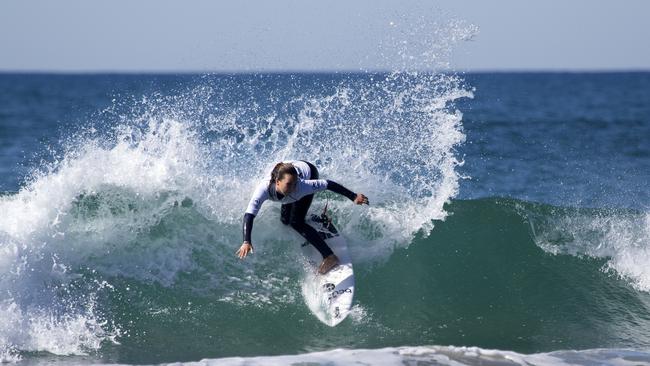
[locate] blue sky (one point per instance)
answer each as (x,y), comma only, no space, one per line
(202,35)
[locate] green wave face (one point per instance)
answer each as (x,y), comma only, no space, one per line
(496,274)
(490,275)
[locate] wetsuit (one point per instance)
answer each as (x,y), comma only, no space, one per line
(296,204)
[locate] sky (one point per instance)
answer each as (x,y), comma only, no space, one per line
(332,35)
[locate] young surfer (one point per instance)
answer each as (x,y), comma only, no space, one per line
(293,184)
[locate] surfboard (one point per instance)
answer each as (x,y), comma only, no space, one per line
(328,296)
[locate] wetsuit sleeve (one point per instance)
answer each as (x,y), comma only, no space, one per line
(260,195)
(247,227)
(310,186)
(337,188)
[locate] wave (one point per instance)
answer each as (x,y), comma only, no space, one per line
(150,193)
(486,276)
(619,238)
(126,238)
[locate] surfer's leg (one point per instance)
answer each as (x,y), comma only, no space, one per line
(285,213)
(288,217)
(313,238)
(297,221)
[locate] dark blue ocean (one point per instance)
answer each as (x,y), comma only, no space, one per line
(509,219)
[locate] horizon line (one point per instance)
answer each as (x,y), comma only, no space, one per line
(320,71)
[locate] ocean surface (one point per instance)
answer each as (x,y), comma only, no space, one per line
(509,219)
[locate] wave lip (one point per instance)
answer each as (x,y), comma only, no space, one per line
(621,237)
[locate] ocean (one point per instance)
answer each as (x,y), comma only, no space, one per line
(509,217)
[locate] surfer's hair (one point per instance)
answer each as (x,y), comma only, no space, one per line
(282,169)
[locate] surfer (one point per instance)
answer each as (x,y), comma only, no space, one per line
(293,184)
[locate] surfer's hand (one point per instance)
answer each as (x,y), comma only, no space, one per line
(361,199)
(244,250)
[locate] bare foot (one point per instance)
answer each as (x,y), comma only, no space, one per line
(328,263)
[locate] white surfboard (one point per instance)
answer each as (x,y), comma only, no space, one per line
(328,296)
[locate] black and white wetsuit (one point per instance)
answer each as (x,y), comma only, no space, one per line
(296,204)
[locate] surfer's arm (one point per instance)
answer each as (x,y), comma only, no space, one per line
(259,196)
(316,185)
(337,188)
(247,227)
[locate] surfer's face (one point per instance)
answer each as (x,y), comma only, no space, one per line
(286,185)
